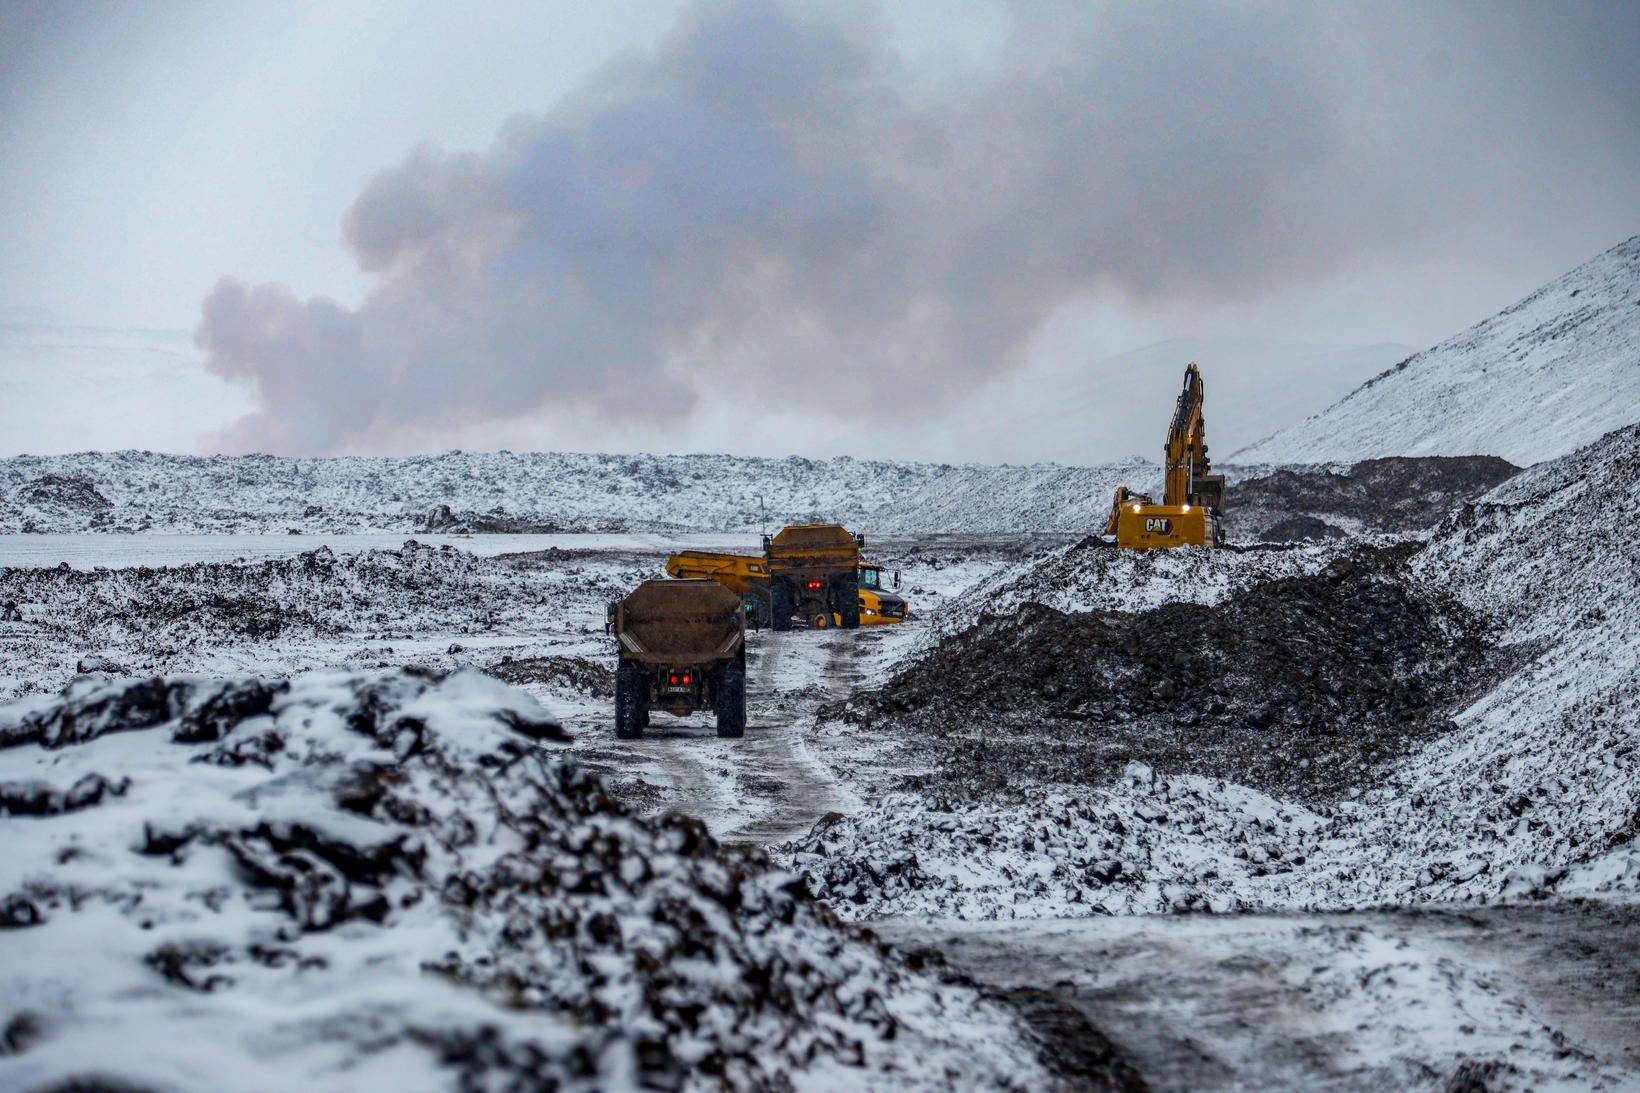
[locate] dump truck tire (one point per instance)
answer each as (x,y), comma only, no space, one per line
(730,698)
(630,714)
(780,606)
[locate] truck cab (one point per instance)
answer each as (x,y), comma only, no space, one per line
(877,604)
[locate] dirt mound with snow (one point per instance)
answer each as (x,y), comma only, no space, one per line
(1300,685)
(1397,496)
(575,673)
(1094,576)
(202,616)
(352,881)
(1532,793)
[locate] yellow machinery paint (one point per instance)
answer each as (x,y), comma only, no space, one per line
(1146,527)
(749,574)
(1193,496)
(877,604)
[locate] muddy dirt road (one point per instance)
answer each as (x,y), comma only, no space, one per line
(1374,1000)
(769,786)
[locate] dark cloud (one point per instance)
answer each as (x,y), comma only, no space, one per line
(768,203)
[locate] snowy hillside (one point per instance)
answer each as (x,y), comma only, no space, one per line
(504,491)
(1538,380)
(1528,785)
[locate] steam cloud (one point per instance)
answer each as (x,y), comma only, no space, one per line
(770,199)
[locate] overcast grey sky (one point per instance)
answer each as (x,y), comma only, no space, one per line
(756,226)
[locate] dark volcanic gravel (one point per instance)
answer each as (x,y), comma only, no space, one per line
(1395,495)
(1299,686)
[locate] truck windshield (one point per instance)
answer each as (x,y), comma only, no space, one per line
(871,578)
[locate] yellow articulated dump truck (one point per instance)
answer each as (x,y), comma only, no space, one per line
(812,573)
(681,648)
(1193,496)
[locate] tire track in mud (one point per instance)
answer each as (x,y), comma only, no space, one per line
(768,786)
(790,785)
(1345,1001)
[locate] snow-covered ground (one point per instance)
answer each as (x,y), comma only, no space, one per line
(1502,998)
(543,493)
(390,880)
(1536,788)
(1541,378)
(1529,797)
(123,551)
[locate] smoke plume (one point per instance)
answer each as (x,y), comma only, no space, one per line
(770,208)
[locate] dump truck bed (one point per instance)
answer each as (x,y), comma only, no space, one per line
(746,574)
(813,547)
(680,622)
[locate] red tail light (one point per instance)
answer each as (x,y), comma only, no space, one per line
(686,679)
(816,584)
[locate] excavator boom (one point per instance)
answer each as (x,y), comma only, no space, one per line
(1192,496)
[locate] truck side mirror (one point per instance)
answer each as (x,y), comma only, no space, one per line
(766,542)
(609,615)
(860,538)
(896,578)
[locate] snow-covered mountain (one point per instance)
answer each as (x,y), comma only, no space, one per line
(1079,411)
(1540,379)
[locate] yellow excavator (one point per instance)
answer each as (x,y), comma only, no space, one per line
(1189,514)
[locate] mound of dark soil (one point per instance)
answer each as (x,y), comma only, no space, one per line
(1300,686)
(405,846)
(1393,495)
(70,491)
(1301,528)
(576,673)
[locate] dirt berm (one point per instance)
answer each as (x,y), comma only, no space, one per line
(1397,495)
(1300,686)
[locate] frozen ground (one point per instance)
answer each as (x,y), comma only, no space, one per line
(395,880)
(1518,997)
(123,551)
(1402,929)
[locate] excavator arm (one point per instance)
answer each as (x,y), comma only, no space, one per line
(1192,494)
(1189,477)
(1124,498)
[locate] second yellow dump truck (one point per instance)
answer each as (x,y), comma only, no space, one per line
(808,572)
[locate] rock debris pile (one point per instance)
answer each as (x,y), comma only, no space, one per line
(350,881)
(188,617)
(1298,685)
(1395,495)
